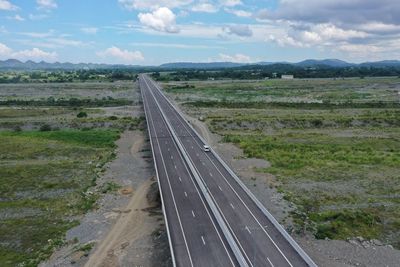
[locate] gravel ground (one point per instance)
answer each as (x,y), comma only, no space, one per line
(133,170)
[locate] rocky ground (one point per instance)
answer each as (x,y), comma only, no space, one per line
(330,253)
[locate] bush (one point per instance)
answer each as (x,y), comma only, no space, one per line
(81,114)
(17,129)
(45,128)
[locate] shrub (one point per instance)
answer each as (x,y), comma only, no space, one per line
(45,128)
(81,114)
(17,129)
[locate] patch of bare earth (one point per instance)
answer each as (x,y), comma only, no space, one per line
(127,228)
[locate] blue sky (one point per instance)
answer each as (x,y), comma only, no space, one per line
(152,32)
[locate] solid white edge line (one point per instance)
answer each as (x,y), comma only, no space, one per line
(237,195)
(159,184)
(277,225)
(206,194)
(173,198)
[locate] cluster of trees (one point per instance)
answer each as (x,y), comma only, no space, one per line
(68,76)
(276,71)
(296,105)
(71,102)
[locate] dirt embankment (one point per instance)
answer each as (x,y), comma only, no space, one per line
(129,233)
(128,227)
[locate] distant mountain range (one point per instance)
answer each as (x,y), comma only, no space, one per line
(13,64)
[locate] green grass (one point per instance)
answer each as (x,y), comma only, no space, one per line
(333,145)
(345,223)
(369,90)
(97,138)
(45,177)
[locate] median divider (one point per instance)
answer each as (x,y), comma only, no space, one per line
(277,225)
(236,251)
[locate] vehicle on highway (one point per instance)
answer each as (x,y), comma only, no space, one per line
(206,148)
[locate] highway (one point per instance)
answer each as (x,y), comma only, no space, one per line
(195,236)
(259,238)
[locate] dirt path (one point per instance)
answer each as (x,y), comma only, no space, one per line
(130,226)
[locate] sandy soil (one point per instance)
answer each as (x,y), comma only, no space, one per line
(133,224)
(327,253)
(128,228)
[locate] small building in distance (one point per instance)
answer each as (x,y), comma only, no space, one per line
(287,77)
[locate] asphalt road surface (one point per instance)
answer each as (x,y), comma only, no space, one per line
(194,234)
(260,242)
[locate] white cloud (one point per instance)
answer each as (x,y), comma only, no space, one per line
(180,46)
(117,55)
(237,58)
(7,5)
(231,2)
(90,30)
(33,54)
(4,50)
(16,17)
(204,7)
(361,48)
(38,34)
(161,19)
(46,4)
(238,12)
(153,4)
(319,35)
(62,42)
(239,30)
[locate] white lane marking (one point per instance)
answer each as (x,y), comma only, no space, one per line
(185,194)
(248,230)
(220,189)
(203,163)
(223,216)
(211,174)
(180,179)
(251,213)
(233,207)
(241,200)
(168,149)
(175,166)
(204,242)
(192,147)
(270,262)
(197,154)
(172,157)
(209,215)
(193,214)
(173,196)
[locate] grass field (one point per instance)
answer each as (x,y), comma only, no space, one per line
(334,146)
(45,183)
(55,141)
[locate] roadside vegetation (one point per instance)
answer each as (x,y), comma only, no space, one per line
(52,151)
(333,145)
(274,71)
(67,76)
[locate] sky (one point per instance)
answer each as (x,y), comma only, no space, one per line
(152,32)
